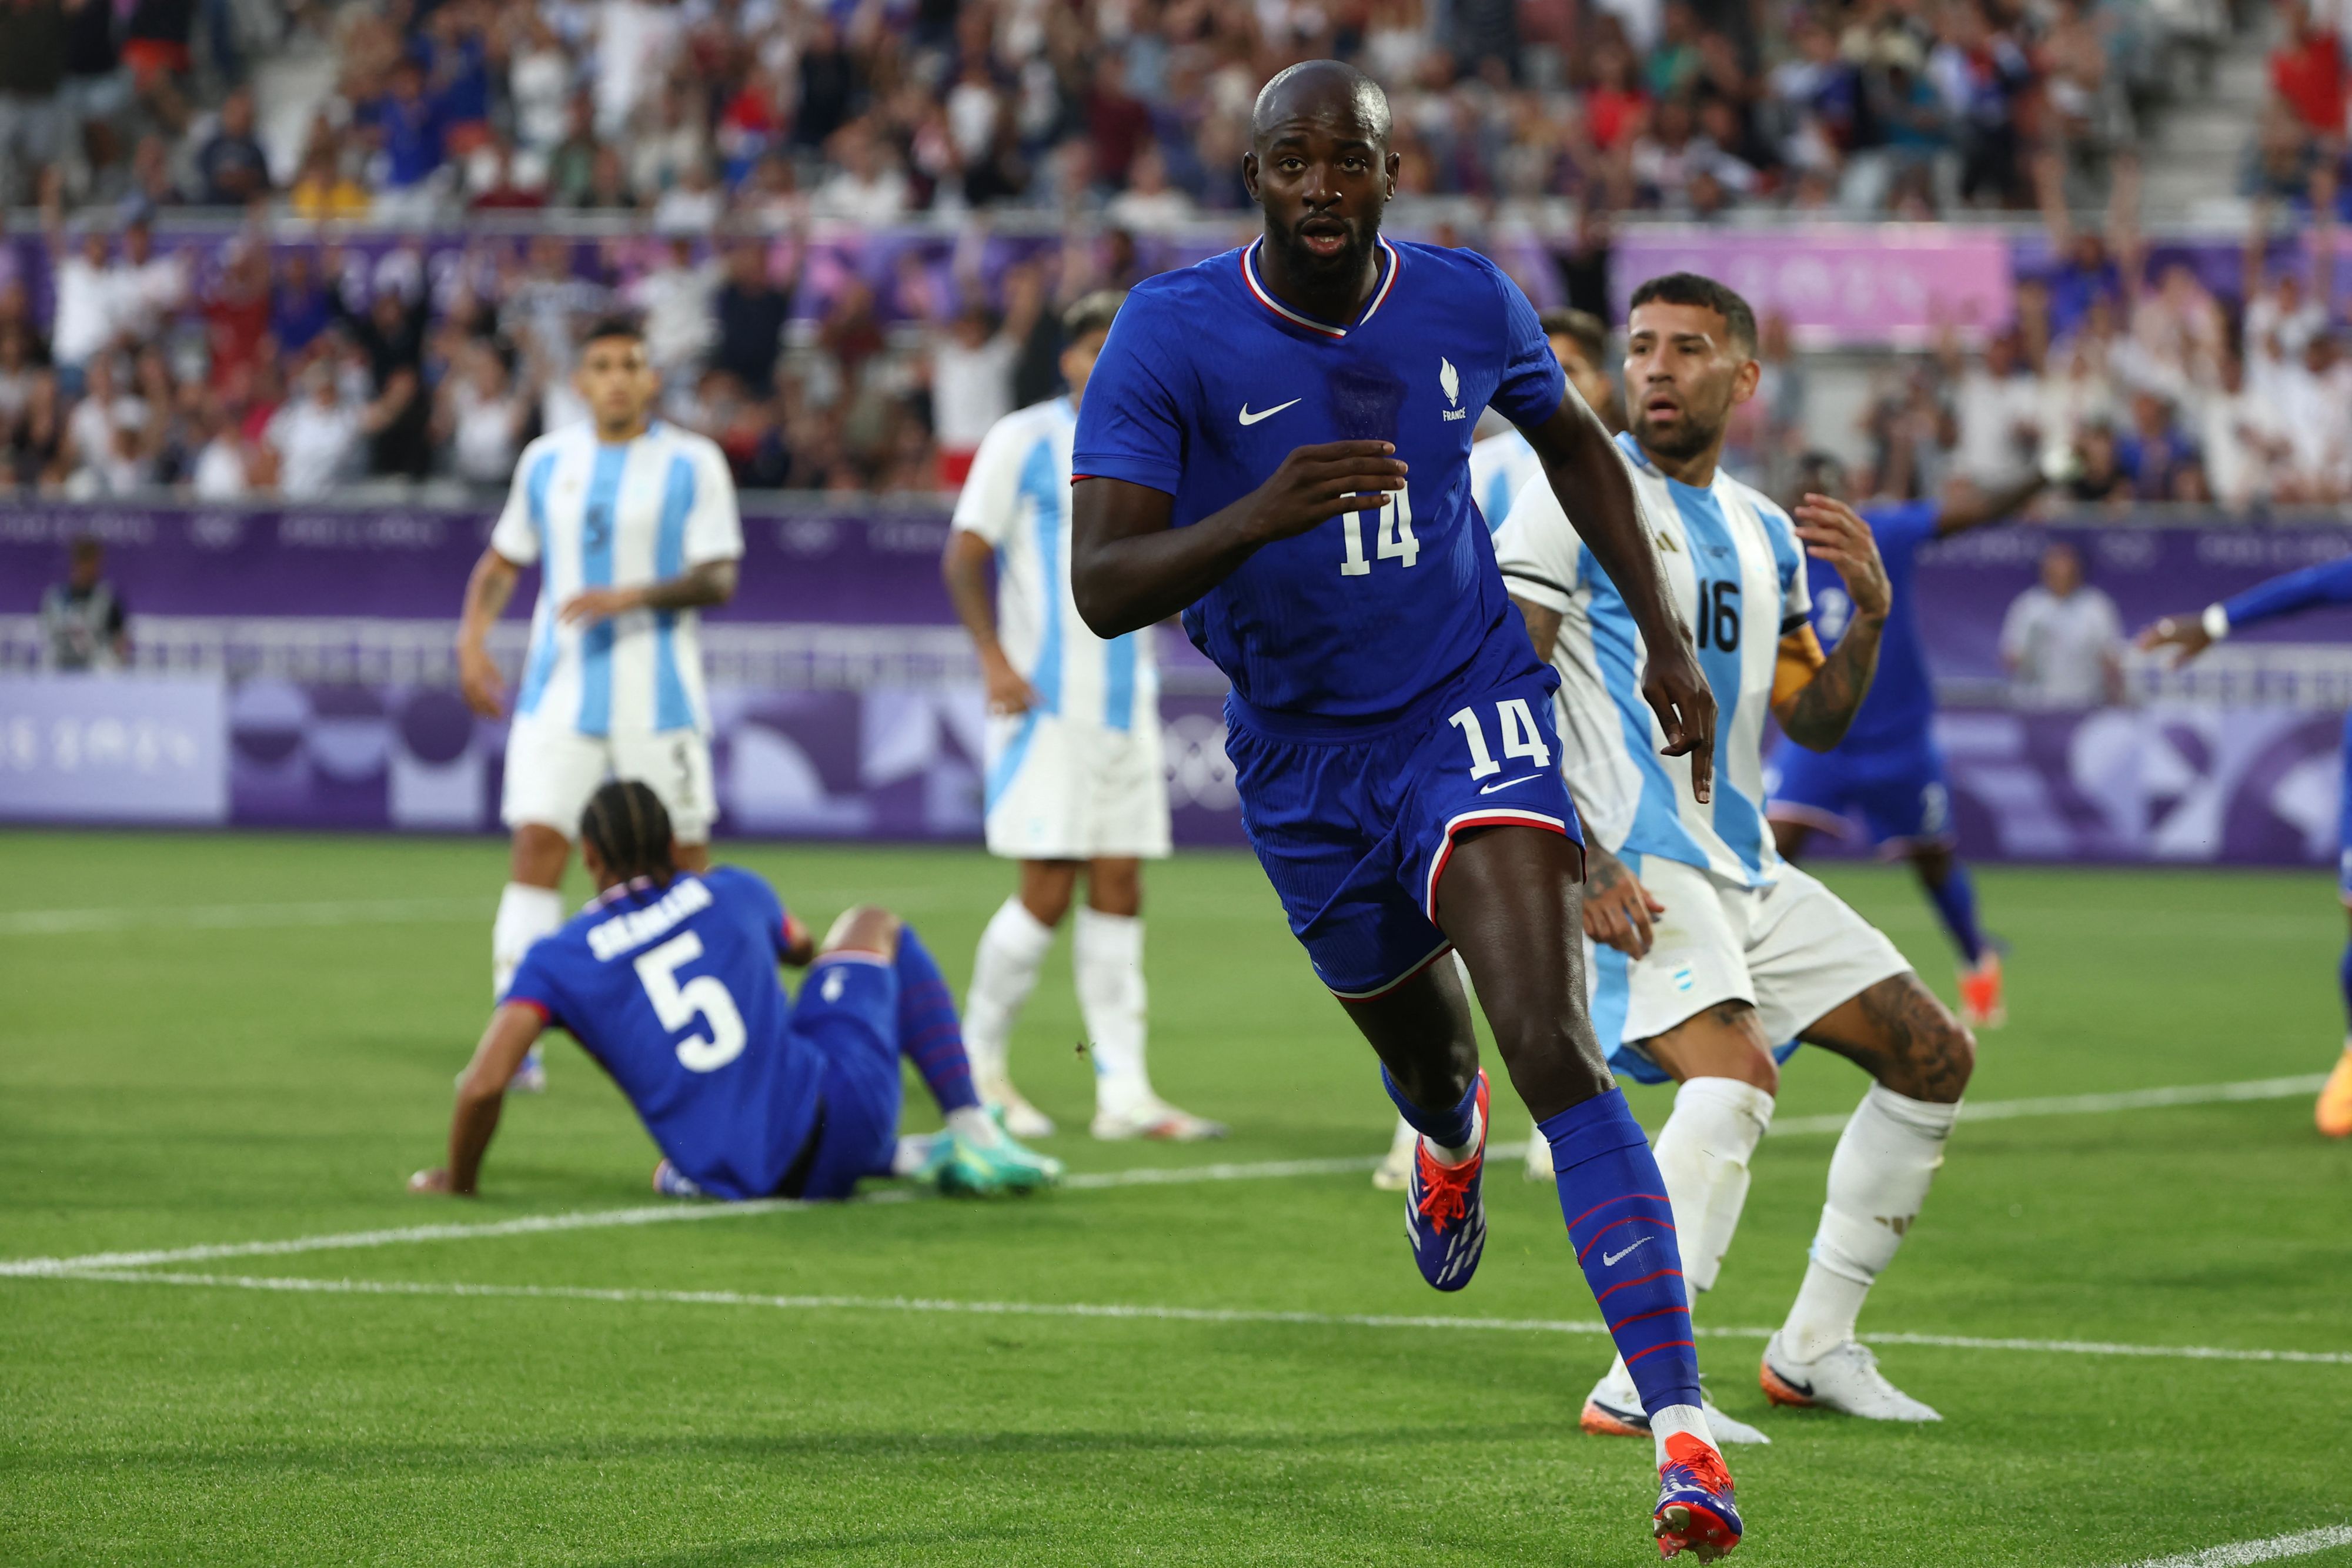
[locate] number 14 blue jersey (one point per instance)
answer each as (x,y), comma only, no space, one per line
(1208,382)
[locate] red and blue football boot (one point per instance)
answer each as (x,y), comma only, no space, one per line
(1445,1216)
(1694,1511)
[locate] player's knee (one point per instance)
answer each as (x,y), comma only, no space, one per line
(1046,889)
(537,856)
(866,928)
(1115,887)
(1942,1059)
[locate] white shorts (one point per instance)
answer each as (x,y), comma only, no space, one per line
(1794,951)
(551,770)
(1065,790)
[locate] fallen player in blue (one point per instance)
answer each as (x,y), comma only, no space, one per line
(668,979)
(1888,770)
(2289,594)
(1275,442)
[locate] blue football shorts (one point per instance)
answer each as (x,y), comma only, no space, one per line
(1354,828)
(848,1010)
(2344,820)
(1901,796)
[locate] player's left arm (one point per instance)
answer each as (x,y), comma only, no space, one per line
(714,550)
(1981,507)
(2330,582)
(1815,695)
(481,1095)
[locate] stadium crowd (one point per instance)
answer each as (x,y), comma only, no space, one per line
(727,128)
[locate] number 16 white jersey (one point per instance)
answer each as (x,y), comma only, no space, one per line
(592,515)
(1734,567)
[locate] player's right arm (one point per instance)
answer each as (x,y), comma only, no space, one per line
(481,1094)
(2330,582)
(514,544)
(1128,566)
(983,517)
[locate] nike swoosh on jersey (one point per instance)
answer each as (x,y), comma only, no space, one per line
(1609,1260)
(1490,788)
(1249,418)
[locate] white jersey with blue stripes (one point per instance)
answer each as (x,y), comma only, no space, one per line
(1017,497)
(1499,465)
(1733,562)
(591,515)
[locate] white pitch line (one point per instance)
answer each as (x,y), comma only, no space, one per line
(2097,1104)
(241,916)
(1267,1170)
(2302,1543)
(1143,1311)
(651,1214)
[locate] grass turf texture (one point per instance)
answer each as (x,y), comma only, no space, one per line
(162,1085)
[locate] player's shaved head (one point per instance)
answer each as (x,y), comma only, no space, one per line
(1329,90)
(1320,169)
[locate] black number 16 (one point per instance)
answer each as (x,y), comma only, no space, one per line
(1718,615)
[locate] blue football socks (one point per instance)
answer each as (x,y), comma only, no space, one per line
(1450,1129)
(928,1033)
(1955,901)
(1623,1229)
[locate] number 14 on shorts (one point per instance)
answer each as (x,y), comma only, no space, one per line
(1516,726)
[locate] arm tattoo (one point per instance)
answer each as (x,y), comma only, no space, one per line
(712,582)
(1823,710)
(1602,871)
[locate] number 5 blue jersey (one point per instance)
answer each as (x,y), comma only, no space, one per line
(1208,382)
(673,991)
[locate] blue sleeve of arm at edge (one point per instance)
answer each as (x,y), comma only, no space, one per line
(2330,582)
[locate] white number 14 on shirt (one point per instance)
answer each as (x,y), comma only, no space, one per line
(1395,540)
(1521,737)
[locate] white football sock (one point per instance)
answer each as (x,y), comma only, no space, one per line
(975,1126)
(1107,951)
(1703,1153)
(1674,1418)
(1004,973)
(525,915)
(1878,1183)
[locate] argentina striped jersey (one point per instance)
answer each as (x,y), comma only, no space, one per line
(1018,499)
(591,514)
(1733,563)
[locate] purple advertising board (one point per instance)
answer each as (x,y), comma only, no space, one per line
(879,567)
(2168,782)
(81,748)
(1879,283)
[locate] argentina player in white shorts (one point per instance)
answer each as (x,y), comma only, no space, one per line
(634,527)
(1074,776)
(1713,956)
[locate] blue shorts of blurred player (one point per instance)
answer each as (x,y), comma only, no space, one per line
(1902,796)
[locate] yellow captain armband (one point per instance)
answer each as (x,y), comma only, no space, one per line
(1801,657)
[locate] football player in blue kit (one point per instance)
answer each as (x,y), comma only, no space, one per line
(668,979)
(2289,594)
(1888,769)
(1275,442)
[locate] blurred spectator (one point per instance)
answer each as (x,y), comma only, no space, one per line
(32,75)
(391,336)
(2314,408)
(405,131)
(1996,413)
(481,418)
(2153,453)
(675,296)
(751,314)
(2062,640)
(317,436)
(231,168)
(2239,436)
(972,372)
(222,470)
(84,621)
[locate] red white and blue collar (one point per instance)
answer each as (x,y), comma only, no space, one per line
(1267,298)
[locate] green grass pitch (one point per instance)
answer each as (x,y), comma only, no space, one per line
(202,1063)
